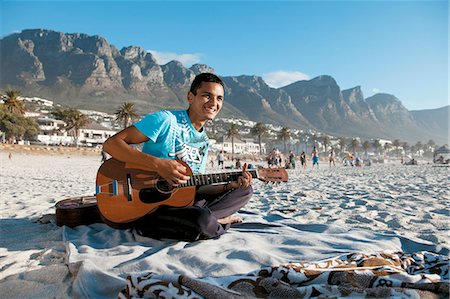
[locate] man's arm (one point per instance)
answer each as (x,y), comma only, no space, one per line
(118,146)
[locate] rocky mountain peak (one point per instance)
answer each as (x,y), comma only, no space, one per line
(253,81)
(201,68)
(353,95)
(137,54)
(323,80)
(383,98)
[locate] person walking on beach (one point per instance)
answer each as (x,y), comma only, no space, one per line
(104,156)
(179,134)
(315,157)
(332,157)
(220,159)
(291,159)
(303,159)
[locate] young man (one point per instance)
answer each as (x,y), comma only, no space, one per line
(179,134)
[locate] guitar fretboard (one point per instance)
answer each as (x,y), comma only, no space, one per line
(216,178)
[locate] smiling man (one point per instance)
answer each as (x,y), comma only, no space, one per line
(172,135)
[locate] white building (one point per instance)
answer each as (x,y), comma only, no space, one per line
(94,134)
(241,146)
(52,132)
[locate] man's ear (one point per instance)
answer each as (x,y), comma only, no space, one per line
(190,97)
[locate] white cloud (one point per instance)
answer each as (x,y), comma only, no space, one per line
(376,90)
(282,78)
(185,59)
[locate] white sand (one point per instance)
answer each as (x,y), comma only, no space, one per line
(407,201)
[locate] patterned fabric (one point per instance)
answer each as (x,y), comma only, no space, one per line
(172,136)
(379,275)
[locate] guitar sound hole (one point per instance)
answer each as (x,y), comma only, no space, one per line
(152,195)
(163,186)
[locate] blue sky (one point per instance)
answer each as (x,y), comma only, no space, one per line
(396,47)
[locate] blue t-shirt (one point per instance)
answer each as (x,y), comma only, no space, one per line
(172,136)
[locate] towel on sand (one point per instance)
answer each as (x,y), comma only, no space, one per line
(101,258)
(379,275)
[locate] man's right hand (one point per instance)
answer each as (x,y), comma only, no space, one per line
(172,171)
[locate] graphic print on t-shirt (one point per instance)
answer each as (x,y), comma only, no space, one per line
(188,147)
(187,153)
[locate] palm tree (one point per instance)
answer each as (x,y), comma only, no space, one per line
(405,146)
(299,138)
(419,146)
(354,144)
(259,130)
(284,134)
(12,102)
(366,146)
(74,120)
(387,147)
(377,145)
(314,139)
(126,113)
(342,143)
(396,143)
(233,131)
(326,141)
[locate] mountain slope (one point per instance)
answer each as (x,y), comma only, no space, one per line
(87,72)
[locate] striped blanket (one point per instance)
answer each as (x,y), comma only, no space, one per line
(382,274)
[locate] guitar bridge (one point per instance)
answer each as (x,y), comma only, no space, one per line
(111,188)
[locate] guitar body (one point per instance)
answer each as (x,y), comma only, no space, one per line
(125,192)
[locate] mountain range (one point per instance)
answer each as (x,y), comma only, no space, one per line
(87,72)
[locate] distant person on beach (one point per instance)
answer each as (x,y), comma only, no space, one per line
(169,135)
(10,156)
(272,158)
(332,157)
(292,160)
(220,159)
(238,164)
(303,159)
(104,156)
(315,157)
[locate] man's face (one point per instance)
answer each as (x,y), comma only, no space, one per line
(207,102)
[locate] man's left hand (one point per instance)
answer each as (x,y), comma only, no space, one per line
(244,180)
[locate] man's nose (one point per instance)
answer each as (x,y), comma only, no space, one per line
(214,99)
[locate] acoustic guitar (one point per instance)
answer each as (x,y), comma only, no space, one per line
(126,192)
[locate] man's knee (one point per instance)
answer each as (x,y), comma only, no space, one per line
(207,225)
(244,195)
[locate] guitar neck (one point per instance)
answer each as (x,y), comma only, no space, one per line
(216,178)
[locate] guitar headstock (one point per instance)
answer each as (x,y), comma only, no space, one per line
(272,175)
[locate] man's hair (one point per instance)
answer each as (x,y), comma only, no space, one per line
(204,77)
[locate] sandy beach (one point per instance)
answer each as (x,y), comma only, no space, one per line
(318,214)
